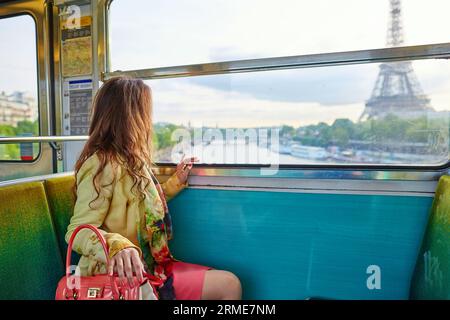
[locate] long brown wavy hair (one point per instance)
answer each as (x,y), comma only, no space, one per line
(121,131)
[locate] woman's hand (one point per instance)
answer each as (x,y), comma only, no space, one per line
(184,167)
(126,263)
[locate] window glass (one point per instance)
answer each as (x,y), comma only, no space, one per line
(18,86)
(380,114)
(153,33)
(395,114)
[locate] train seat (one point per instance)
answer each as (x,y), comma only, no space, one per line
(61,201)
(30,259)
(431,279)
(35,215)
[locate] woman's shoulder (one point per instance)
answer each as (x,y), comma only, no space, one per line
(92,164)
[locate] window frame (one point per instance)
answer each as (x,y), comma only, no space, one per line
(413,172)
(38,97)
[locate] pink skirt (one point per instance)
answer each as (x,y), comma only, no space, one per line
(188,280)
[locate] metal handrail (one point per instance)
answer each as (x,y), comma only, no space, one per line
(9,140)
(429,51)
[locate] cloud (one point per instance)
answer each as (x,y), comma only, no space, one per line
(183,102)
(325,85)
(227,30)
(195,31)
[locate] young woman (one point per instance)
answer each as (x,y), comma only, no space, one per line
(117,192)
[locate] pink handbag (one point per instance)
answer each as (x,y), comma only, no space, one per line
(102,286)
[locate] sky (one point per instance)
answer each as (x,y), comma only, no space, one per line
(152,33)
(18,55)
(176,32)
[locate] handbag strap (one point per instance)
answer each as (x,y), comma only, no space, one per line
(72,238)
(153,280)
(102,240)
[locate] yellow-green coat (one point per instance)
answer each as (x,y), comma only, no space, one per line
(118,213)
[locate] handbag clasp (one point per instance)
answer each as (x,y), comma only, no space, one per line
(93,292)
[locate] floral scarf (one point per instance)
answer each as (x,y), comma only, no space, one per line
(154,237)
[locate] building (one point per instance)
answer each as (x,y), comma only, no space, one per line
(16,107)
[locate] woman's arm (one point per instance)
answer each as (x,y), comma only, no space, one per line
(173,186)
(178,181)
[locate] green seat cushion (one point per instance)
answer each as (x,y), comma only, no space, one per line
(61,201)
(30,260)
(431,278)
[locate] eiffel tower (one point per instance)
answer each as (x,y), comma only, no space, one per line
(397,90)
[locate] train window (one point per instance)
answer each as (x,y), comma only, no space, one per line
(317,116)
(178,32)
(18,87)
(389,114)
